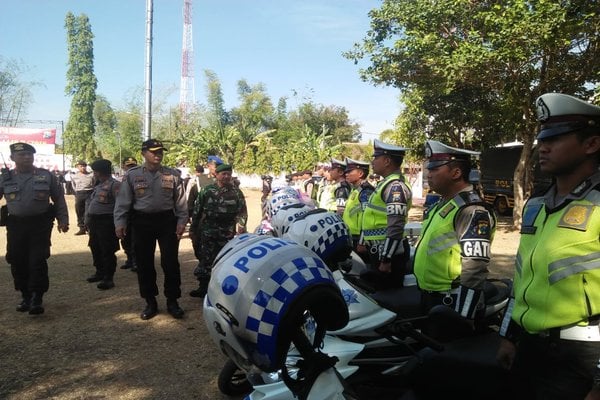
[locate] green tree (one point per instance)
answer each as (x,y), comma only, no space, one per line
(254,116)
(333,119)
(472,70)
(15,93)
(106,138)
(78,137)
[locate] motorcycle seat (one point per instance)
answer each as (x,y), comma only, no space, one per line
(404,301)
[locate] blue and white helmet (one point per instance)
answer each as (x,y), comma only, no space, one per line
(284,218)
(325,233)
(259,290)
(281,198)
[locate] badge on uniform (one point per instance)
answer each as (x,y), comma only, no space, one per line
(576,216)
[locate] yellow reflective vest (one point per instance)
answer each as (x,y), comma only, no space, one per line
(353,212)
(557,277)
(374,222)
(437,257)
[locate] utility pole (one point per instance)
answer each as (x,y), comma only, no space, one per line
(187,95)
(148,73)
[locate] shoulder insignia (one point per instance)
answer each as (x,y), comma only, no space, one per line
(576,216)
(446,210)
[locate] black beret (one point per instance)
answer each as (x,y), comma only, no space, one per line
(103,166)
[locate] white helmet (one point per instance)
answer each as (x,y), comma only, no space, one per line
(280,198)
(286,215)
(325,233)
(259,291)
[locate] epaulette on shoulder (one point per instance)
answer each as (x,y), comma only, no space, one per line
(133,169)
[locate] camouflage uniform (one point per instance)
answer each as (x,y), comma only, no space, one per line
(217,212)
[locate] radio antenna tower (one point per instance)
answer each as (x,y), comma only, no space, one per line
(187,96)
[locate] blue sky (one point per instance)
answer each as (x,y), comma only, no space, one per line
(285,44)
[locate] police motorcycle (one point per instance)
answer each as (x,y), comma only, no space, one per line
(374,315)
(269,306)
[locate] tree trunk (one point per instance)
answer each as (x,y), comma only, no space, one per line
(523,179)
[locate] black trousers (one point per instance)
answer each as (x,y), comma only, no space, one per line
(550,368)
(27,251)
(151,229)
(80,198)
(127,245)
(103,243)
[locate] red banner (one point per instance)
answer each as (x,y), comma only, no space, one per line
(28,135)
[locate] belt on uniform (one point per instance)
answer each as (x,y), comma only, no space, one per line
(589,333)
(442,292)
(446,295)
(166,213)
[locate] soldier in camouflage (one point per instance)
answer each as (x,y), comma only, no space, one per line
(219,213)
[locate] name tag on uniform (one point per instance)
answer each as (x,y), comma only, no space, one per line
(168,182)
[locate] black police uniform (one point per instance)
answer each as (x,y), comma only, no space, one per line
(157,203)
(29,227)
(99,220)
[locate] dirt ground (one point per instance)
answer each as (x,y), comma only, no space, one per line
(92,344)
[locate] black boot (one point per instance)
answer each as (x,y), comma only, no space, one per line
(25,302)
(106,283)
(36,304)
(151,308)
(202,288)
(174,309)
(97,277)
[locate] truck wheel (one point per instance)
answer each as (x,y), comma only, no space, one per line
(501,206)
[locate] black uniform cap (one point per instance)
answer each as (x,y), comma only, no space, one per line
(20,146)
(153,145)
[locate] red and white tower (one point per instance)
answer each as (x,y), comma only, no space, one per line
(187,95)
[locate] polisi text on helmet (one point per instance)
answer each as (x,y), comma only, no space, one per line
(259,251)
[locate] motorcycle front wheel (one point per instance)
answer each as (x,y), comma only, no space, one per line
(232,380)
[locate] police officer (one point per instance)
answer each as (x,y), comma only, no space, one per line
(219,214)
(83,184)
(267,181)
(311,186)
(386,214)
(100,224)
(453,254)
(28,191)
(551,324)
(126,242)
(155,195)
(336,192)
(356,175)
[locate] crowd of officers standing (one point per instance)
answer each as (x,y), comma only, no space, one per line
(147,206)
(550,333)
